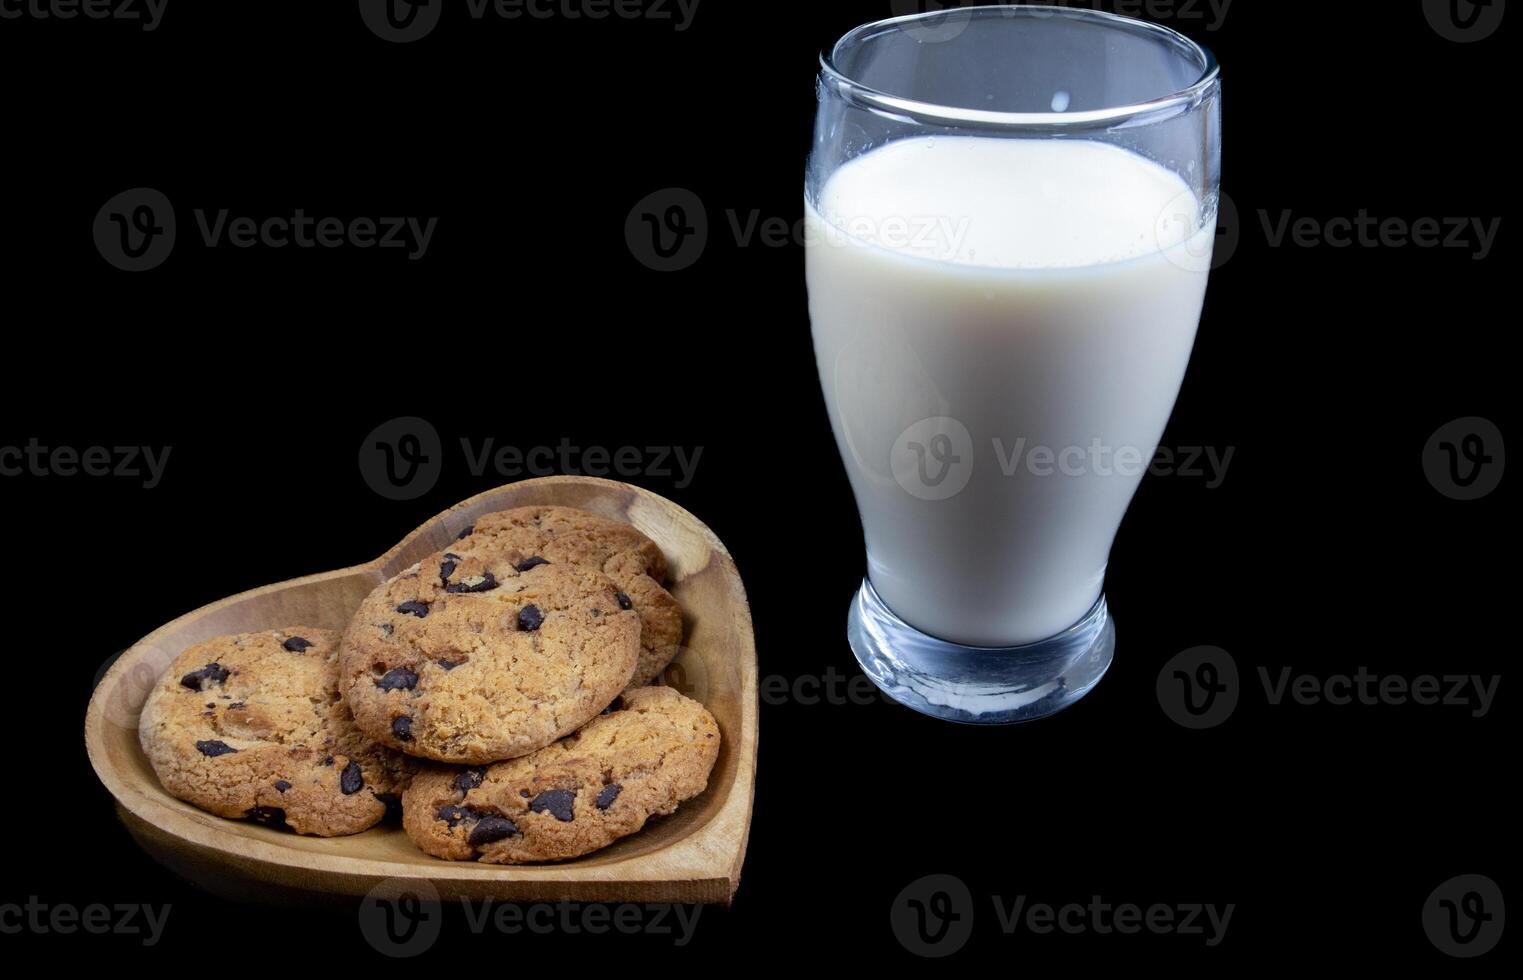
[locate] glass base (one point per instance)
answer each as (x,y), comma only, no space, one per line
(978,685)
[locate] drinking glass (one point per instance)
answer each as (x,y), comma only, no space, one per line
(1010,214)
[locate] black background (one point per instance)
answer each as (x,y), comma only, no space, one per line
(529,322)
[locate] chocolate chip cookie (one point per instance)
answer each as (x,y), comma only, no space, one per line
(474,658)
(252,726)
(531,535)
(652,749)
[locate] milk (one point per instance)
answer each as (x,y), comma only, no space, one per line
(1001,326)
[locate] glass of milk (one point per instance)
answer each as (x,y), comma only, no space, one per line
(1010,215)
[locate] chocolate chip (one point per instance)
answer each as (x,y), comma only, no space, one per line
(398,679)
(270,816)
(297,644)
(448,664)
(281,785)
(484,582)
(608,795)
(351,780)
(452,556)
(214,748)
(236,705)
(401,727)
(446,569)
(197,680)
(466,533)
(413,607)
(486,828)
(624,602)
(327,760)
(470,779)
(529,563)
(387,629)
(556,802)
(524,793)
(211,704)
(453,815)
(530,619)
(491,829)
(617,704)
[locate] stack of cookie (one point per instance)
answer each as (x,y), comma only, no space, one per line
(499,691)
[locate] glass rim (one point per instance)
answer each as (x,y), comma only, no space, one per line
(943,115)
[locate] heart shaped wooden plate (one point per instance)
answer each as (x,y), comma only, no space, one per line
(693,855)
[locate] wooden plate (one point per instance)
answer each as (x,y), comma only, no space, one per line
(693,855)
